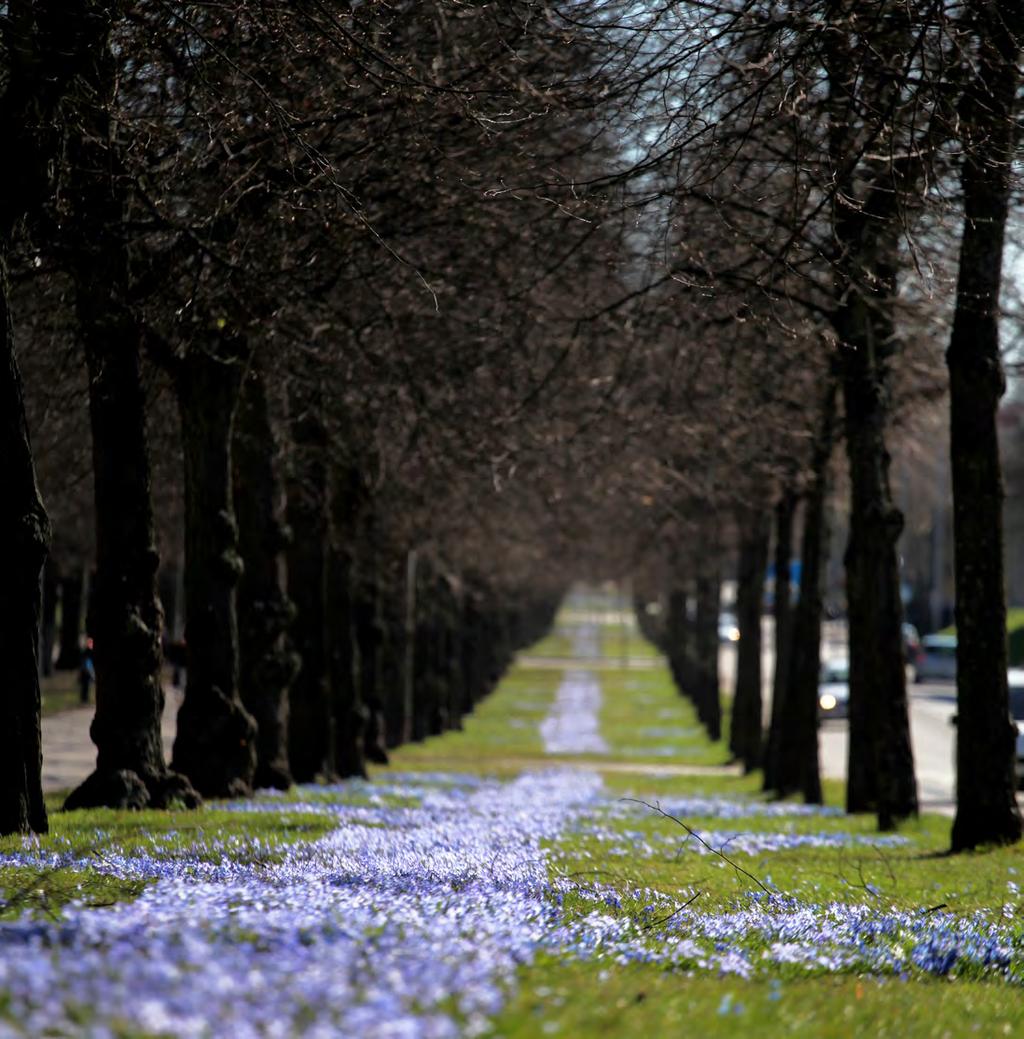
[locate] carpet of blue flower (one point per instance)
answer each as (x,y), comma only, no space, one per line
(412,916)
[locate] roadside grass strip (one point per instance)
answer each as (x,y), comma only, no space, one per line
(414,926)
(456,901)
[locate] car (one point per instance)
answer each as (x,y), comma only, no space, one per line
(728,629)
(1015,677)
(937,661)
(834,688)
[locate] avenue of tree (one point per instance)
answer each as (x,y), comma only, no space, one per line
(354,334)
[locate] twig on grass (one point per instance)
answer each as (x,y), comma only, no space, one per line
(697,837)
(675,912)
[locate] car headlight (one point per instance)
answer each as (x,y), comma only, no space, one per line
(734,634)
(827,701)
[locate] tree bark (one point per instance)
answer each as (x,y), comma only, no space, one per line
(782,613)
(368,630)
(347,714)
(45,45)
(393,659)
(126,618)
(309,732)
(867,236)
(881,761)
(680,641)
(216,740)
(745,736)
(986,809)
(708,696)
(267,666)
(798,769)
(25,535)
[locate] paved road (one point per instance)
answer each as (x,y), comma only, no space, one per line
(931,707)
(68,753)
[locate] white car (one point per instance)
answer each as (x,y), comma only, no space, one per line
(834,688)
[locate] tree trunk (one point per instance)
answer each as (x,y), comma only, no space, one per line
(53,39)
(70,653)
(798,768)
(745,735)
(680,640)
(25,536)
(881,762)
(368,630)
(986,810)
(708,695)
(126,619)
(393,658)
(267,666)
(347,713)
(450,599)
(48,622)
(216,741)
(309,731)
(783,614)
(867,236)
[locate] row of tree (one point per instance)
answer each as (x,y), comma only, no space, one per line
(516,291)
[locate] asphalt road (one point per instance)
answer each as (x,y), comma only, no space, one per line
(931,708)
(932,705)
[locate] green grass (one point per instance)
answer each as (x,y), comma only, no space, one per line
(557,646)
(618,641)
(594,999)
(647,726)
(645,720)
(59,692)
(600,997)
(500,737)
(209,833)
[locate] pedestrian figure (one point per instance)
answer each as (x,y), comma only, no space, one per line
(86,671)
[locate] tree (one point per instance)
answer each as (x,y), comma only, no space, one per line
(987,809)
(44,49)
(127,618)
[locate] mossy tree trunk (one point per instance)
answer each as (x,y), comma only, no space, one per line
(215,744)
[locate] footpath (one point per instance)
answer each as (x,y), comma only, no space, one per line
(69,754)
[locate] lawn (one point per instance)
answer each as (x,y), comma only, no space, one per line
(59,692)
(500,881)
